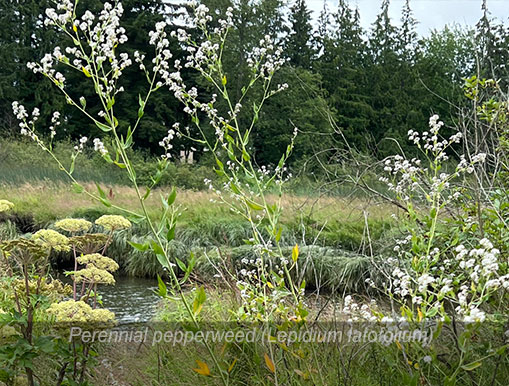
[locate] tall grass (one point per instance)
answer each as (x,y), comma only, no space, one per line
(8,230)
(338,263)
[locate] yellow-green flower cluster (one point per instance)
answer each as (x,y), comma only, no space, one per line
(7,331)
(72,311)
(5,205)
(52,239)
(54,290)
(92,274)
(74,225)
(113,222)
(98,261)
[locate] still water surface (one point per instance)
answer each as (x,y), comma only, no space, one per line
(132,299)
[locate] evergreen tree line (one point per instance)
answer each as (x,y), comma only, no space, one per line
(350,88)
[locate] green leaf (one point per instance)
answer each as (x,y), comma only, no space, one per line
(147,193)
(170,235)
(162,260)
(199,299)
(254,205)
(120,165)
(163,291)
(172,197)
(139,247)
(279,233)
(128,138)
(181,264)
(471,366)
(102,126)
(102,194)
(73,163)
(234,188)
(192,262)
(141,110)
(189,269)
(281,162)
(77,188)
(110,104)
(161,257)
(157,248)
(105,202)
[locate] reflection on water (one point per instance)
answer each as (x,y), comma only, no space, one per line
(132,299)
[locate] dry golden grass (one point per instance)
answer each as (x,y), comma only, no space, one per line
(47,201)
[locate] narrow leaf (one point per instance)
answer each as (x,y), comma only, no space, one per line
(269,363)
(295,253)
(172,196)
(163,291)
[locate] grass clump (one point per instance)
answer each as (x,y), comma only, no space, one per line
(323,269)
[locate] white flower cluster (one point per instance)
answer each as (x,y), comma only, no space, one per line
(411,180)
(431,142)
(99,146)
(482,264)
(102,39)
(266,59)
(55,121)
(26,128)
(356,313)
(166,144)
(466,279)
(61,15)
(204,57)
(81,144)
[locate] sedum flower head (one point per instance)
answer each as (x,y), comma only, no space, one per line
(113,222)
(72,311)
(92,274)
(74,225)
(98,261)
(52,239)
(5,205)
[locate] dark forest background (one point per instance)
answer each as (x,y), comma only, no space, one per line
(348,86)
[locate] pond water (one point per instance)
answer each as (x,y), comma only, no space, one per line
(132,299)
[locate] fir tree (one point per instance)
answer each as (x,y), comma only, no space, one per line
(299,40)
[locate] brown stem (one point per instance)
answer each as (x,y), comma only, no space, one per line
(84,364)
(61,374)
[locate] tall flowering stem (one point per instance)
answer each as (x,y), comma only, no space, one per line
(268,291)
(94,53)
(441,272)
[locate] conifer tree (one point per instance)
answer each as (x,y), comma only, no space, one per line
(299,40)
